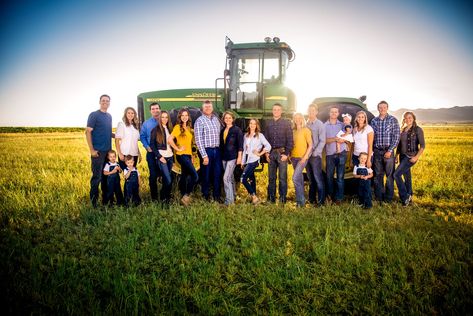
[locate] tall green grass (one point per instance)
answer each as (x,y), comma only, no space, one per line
(57,255)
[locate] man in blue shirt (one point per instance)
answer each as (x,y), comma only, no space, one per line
(99,140)
(207,139)
(314,165)
(386,138)
(335,160)
(145,136)
(278,132)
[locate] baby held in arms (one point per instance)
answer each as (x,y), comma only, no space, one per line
(346,132)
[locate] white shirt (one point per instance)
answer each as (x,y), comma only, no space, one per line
(347,137)
(125,172)
(361,140)
(129,136)
(108,165)
(254,143)
(168,152)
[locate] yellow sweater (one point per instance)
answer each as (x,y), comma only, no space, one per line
(183,140)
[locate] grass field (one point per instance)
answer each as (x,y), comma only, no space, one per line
(57,255)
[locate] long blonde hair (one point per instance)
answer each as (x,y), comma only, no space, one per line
(357,126)
(294,125)
(134,122)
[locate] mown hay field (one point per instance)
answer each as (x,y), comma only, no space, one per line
(57,255)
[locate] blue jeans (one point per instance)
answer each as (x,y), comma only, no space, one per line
(211,172)
(316,180)
(132,189)
(381,167)
(189,176)
(298,180)
(404,170)
(166,188)
(336,162)
(97,164)
(364,192)
(229,181)
(276,165)
(248,177)
(114,189)
(154,173)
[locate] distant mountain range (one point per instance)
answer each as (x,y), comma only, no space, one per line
(455,114)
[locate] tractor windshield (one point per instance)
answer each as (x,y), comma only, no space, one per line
(251,70)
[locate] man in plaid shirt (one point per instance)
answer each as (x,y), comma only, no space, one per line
(207,138)
(386,138)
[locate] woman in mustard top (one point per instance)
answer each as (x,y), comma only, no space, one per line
(184,136)
(300,154)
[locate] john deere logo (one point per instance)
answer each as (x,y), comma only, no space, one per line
(202,95)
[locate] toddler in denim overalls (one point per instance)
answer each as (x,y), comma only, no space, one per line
(112,171)
(132,182)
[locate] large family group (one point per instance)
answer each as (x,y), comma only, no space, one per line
(222,146)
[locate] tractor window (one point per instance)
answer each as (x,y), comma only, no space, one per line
(249,74)
(249,68)
(271,67)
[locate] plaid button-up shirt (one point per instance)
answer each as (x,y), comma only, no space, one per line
(386,133)
(207,133)
(279,134)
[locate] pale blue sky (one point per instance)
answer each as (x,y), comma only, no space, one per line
(57,57)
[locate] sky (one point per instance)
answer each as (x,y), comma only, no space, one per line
(58,57)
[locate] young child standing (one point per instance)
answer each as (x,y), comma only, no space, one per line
(132,182)
(112,171)
(346,132)
(364,174)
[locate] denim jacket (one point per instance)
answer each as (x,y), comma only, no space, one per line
(411,142)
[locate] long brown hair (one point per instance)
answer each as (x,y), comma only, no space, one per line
(181,123)
(357,126)
(404,124)
(134,122)
(160,133)
(257,129)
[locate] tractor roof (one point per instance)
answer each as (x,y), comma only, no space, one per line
(260,45)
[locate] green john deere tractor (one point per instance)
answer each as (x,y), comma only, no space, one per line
(253,80)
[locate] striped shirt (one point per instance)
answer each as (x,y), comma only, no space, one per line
(207,133)
(386,133)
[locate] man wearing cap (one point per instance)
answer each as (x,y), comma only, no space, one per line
(335,161)
(386,138)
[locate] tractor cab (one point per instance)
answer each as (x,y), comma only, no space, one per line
(255,78)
